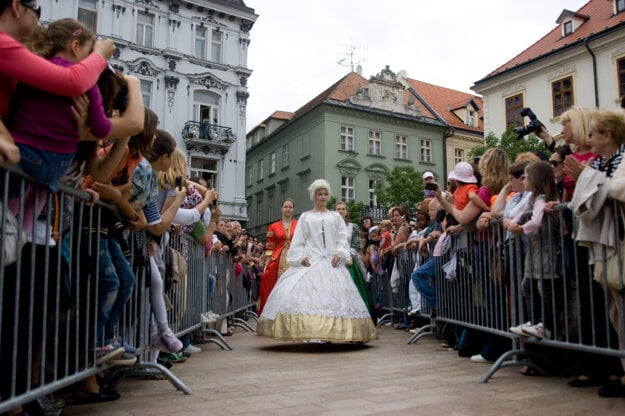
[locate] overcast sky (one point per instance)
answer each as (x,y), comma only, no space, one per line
(299,48)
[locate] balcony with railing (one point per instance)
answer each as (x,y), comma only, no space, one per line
(207,138)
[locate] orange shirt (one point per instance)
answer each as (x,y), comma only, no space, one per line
(461,195)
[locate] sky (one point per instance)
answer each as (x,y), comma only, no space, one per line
(300,48)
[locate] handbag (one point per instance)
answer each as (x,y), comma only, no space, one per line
(615,264)
(449,268)
(13,237)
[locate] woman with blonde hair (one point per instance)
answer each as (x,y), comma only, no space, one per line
(198,198)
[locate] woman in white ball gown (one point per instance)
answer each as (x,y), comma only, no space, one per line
(316,298)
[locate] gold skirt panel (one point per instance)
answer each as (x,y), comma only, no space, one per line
(299,327)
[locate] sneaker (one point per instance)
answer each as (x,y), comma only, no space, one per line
(539,331)
(173,357)
(124,359)
(47,405)
(518,330)
(170,342)
(106,353)
(478,358)
(191,349)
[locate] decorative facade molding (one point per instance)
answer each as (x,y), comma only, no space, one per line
(143,67)
(208,82)
(349,167)
(376,171)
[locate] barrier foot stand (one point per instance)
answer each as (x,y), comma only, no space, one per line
(241,323)
(252,315)
(384,319)
(217,338)
(503,361)
(421,332)
(168,374)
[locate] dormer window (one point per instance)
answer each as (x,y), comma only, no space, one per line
(569,21)
(471,118)
(567,28)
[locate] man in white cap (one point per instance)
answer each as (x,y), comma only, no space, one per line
(428,177)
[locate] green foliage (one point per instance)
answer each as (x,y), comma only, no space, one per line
(510,144)
(401,187)
(354,209)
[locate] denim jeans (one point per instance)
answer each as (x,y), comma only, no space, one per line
(116,282)
(46,168)
(421,279)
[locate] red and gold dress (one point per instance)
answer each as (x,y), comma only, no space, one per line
(277,246)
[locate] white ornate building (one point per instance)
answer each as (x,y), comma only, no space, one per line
(191,58)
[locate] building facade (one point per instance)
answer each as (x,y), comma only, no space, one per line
(580,62)
(191,58)
(351,134)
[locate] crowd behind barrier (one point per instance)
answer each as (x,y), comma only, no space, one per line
(485,281)
(488,283)
(49,293)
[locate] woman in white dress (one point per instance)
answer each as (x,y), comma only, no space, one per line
(316,297)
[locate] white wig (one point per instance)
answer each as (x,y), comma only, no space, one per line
(316,185)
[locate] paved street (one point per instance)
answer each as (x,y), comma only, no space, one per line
(387,377)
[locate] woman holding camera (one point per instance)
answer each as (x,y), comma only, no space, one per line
(279,235)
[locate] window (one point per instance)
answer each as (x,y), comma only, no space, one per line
(200,43)
(206,111)
(471,118)
(146,92)
(216,41)
(283,194)
(250,177)
(620,5)
(401,147)
(347,138)
(285,155)
(568,27)
(375,142)
(259,210)
(272,163)
(347,188)
(261,170)
(88,14)
(373,201)
(426,150)
(458,155)
(514,105)
(562,95)
(205,168)
(620,65)
(145,29)
(270,205)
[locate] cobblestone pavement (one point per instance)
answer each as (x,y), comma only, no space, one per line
(387,377)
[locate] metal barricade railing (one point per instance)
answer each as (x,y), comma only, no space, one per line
(49,293)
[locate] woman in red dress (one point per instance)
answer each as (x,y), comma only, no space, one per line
(279,236)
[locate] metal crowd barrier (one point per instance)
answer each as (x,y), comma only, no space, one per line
(503,281)
(49,294)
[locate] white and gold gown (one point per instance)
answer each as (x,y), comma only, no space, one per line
(319,302)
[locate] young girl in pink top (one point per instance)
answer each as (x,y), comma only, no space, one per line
(44,125)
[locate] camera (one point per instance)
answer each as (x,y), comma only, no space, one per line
(179,182)
(431,186)
(534,126)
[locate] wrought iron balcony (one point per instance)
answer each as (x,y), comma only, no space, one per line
(207,138)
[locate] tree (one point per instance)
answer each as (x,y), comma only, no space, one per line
(401,187)
(354,209)
(510,144)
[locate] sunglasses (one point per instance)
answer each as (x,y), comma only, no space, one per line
(34,7)
(555,163)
